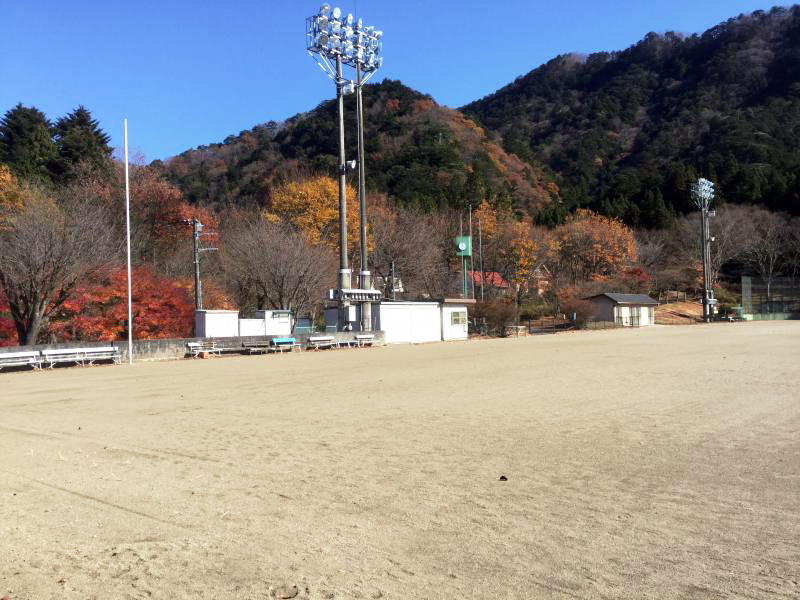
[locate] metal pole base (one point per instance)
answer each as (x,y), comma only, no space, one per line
(345,279)
(365,283)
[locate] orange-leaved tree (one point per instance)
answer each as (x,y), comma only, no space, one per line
(591,246)
(520,255)
(162,308)
(160,215)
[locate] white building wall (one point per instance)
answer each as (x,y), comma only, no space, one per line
(252,327)
(276,322)
(410,322)
(216,323)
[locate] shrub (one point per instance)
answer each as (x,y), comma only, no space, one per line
(581,311)
(497,313)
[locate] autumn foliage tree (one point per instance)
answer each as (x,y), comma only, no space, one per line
(521,255)
(97,310)
(312,207)
(591,246)
(47,247)
(8,332)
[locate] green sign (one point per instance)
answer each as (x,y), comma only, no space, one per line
(463,245)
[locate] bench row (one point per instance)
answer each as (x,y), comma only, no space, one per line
(286,344)
(49,358)
(88,356)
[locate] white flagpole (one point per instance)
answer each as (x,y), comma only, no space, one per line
(128,231)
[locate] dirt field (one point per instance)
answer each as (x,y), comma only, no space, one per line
(651,463)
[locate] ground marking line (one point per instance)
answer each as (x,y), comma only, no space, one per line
(94,499)
(107,446)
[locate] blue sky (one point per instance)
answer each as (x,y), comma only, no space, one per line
(190,73)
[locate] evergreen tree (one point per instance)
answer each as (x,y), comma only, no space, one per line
(26,145)
(81,144)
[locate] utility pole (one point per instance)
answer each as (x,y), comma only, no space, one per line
(394,297)
(463,257)
(480,254)
(703,193)
(471,259)
(197,228)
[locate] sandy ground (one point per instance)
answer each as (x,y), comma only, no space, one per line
(660,462)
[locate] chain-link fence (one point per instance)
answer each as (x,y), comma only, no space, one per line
(776,299)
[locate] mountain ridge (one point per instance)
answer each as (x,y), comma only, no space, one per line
(623,133)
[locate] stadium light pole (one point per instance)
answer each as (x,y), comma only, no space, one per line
(331,38)
(703,194)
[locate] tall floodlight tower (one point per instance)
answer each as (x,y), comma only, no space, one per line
(335,41)
(703,194)
(366,47)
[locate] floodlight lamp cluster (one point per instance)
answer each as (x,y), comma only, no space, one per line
(703,191)
(332,35)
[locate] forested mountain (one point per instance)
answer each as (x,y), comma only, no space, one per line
(419,153)
(626,132)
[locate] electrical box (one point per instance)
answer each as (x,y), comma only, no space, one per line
(463,245)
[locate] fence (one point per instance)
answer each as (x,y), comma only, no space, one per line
(667,296)
(774,300)
(549,325)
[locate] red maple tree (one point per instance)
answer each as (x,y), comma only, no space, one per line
(162,308)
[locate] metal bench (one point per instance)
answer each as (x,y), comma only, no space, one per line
(364,340)
(20,359)
(286,344)
(198,348)
(322,341)
(80,356)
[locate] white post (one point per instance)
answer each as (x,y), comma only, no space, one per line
(128,232)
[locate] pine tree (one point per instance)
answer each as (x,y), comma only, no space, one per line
(26,145)
(81,145)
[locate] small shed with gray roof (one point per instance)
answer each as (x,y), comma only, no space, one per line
(628,310)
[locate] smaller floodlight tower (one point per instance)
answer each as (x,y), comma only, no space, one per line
(703,194)
(331,38)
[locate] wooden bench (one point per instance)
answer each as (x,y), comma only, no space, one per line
(256,347)
(317,342)
(20,359)
(198,348)
(365,339)
(80,356)
(285,344)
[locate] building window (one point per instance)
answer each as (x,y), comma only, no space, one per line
(651,314)
(458,318)
(282,316)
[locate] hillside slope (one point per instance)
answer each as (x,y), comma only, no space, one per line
(419,153)
(628,131)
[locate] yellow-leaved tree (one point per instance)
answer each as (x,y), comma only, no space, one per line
(312,207)
(11,195)
(521,255)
